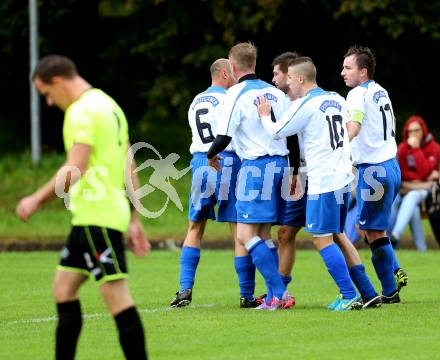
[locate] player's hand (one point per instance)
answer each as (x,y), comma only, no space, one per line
(263,106)
(413,141)
(293,184)
(137,240)
(296,188)
(215,163)
(26,207)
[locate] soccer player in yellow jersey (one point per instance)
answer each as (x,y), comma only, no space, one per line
(95,136)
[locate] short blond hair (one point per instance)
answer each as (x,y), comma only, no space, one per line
(304,66)
(244,55)
(218,65)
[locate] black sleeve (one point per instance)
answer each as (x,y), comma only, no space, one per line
(220,143)
(294,155)
(272,116)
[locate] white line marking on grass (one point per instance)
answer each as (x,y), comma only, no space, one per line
(96,315)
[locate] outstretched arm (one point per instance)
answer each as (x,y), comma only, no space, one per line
(179,173)
(67,175)
(292,121)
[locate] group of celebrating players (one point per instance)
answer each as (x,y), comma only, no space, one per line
(286,155)
(243,129)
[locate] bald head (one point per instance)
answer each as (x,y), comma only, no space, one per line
(221,73)
(217,68)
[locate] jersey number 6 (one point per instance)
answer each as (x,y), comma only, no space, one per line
(201,126)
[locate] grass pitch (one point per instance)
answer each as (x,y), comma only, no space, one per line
(213,326)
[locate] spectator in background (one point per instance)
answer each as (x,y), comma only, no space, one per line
(418,157)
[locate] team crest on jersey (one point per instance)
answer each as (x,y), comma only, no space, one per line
(208,98)
(268,96)
(329,103)
(379,94)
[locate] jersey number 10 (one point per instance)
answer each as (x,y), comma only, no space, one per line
(336,135)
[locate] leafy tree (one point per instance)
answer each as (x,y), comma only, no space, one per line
(153,56)
(171,58)
(395,16)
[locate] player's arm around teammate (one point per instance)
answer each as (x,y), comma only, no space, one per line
(255,213)
(324,144)
(209,188)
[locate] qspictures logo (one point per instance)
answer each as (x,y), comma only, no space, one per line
(250,183)
(163,169)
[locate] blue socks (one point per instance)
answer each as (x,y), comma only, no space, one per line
(383,261)
(245,270)
(265,263)
(396,265)
(274,251)
(287,279)
(189,259)
(362,282)
(336,266)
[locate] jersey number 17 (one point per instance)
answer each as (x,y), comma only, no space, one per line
(385,110)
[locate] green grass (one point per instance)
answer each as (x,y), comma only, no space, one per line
(213,327)
(18,177)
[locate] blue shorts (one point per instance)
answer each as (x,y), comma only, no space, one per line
(295,214)
(259,190)
(378,185)
(350,223)
(210,187)
(326,213)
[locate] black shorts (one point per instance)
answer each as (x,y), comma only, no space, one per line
(95,250)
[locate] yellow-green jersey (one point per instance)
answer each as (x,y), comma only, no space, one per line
(98,198)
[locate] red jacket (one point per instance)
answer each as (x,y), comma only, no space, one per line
(418,163)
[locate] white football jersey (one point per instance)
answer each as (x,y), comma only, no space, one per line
(319,118)
(203,116)
(241,120)
(302,159)
(376,140)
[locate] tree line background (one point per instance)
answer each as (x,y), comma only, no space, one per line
(153,56)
